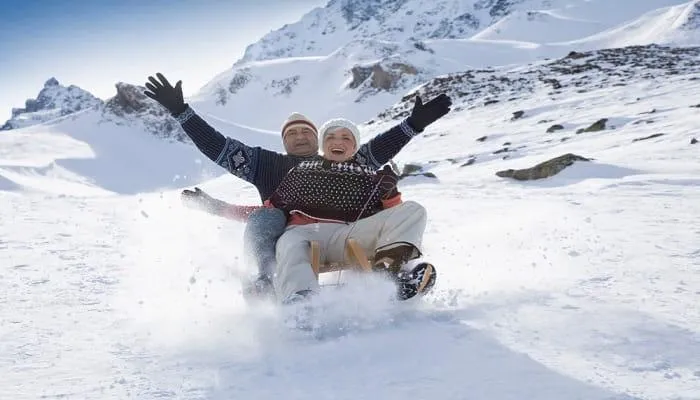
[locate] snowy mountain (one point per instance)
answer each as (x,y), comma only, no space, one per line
(54,100)
(323,30)
(130,107)
(583,285)
(369,53)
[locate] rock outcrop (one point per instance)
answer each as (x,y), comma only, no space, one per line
(542,170)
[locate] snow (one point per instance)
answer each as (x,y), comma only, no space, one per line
(584,285)
(676,25)
(82,154)
(320,31)
(580,286)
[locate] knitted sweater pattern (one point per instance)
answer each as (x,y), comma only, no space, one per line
(327,190)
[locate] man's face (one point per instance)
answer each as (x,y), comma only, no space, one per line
(339,145)
(300,140)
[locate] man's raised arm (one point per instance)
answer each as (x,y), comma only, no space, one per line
(236,157)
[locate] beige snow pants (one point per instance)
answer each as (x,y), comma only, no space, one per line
(402,223)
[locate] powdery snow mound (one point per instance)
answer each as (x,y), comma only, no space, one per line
(538,27)
(8,185)
(81,155)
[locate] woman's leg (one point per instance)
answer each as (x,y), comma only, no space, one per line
(294,274)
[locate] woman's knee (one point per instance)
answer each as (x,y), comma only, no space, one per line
(292,246)
(414,210)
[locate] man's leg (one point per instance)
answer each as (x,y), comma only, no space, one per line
(262,230)
(294,276)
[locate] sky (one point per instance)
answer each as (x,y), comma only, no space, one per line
(95,44)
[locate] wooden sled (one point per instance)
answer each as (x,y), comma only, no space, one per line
(355,258)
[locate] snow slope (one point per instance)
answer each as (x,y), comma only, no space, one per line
(86,154)
(676,25)
(362,56)
(323,30)
(581,286)
(566,20)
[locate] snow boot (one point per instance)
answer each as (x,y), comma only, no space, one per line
(401,263)
(415,277)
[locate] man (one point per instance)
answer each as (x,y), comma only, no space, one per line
(265,169)
(263,224)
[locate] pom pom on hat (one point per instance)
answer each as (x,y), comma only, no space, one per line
(336,123)
(296,118)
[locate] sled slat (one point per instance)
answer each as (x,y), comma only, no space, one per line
(355,257)
(316,257)
(359,254)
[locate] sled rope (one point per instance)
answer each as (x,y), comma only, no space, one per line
(354,223)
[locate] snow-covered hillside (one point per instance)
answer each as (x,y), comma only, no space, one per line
(580,286)
(677,25)
(356,58)
(323,30)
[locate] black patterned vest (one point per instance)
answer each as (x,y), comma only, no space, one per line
(322,189)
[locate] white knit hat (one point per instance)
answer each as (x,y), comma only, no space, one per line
(339,123)
(296,118)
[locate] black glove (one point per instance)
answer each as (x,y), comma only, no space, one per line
(168,96)
(386,182)
(200,200)
(425,114)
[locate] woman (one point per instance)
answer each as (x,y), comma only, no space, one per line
(334,197)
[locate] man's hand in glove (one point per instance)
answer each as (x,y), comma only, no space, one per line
(200,200)
(168,96)
(425,114)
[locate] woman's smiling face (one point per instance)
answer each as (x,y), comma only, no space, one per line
(339,145)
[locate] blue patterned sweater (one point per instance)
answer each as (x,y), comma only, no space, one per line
(265,169)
